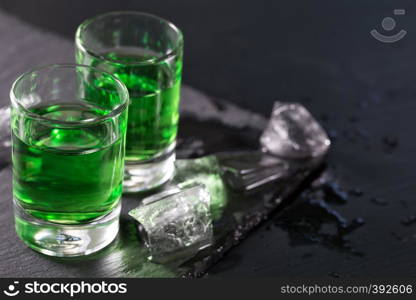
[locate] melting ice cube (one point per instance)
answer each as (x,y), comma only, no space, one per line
(248,170)
(175,223)
(292,132)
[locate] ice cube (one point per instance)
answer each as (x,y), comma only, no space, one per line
(293,133)
(247,170)
(176,223)
(205,170)
(227,172)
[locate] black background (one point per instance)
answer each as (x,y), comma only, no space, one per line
(319,53)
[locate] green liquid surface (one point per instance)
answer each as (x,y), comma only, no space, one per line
(67,175)
(154,91)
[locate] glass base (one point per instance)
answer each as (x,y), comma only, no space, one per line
(149,174)
(66,240)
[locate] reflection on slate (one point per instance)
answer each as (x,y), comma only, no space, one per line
(312,220)
(245,186)
(246,171)
(4,136)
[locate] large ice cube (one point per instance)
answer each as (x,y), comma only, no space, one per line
(292,132)
(176,223)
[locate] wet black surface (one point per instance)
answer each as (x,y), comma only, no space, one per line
(314,218)
(320,53)
(235,212)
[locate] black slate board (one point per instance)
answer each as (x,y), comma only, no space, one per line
(207,126)
(362,89)
(200,134)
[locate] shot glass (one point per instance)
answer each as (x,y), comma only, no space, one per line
(68,158)
(145,52)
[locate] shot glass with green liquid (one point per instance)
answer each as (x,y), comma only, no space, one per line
(68,147)
(145,52)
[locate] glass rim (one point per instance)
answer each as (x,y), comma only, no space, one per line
(80,45)
(113,113)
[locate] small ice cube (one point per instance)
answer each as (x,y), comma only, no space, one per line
(175,223)
(292,132)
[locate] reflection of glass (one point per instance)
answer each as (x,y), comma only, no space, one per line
(4,136)
(145,52)
(68,156)
(206,171)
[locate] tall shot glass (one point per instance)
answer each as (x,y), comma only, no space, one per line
(145,52)
(68,158)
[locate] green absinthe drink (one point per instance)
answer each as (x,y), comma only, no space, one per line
(154,91)
(68,158)
(67,175)
(145,53)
